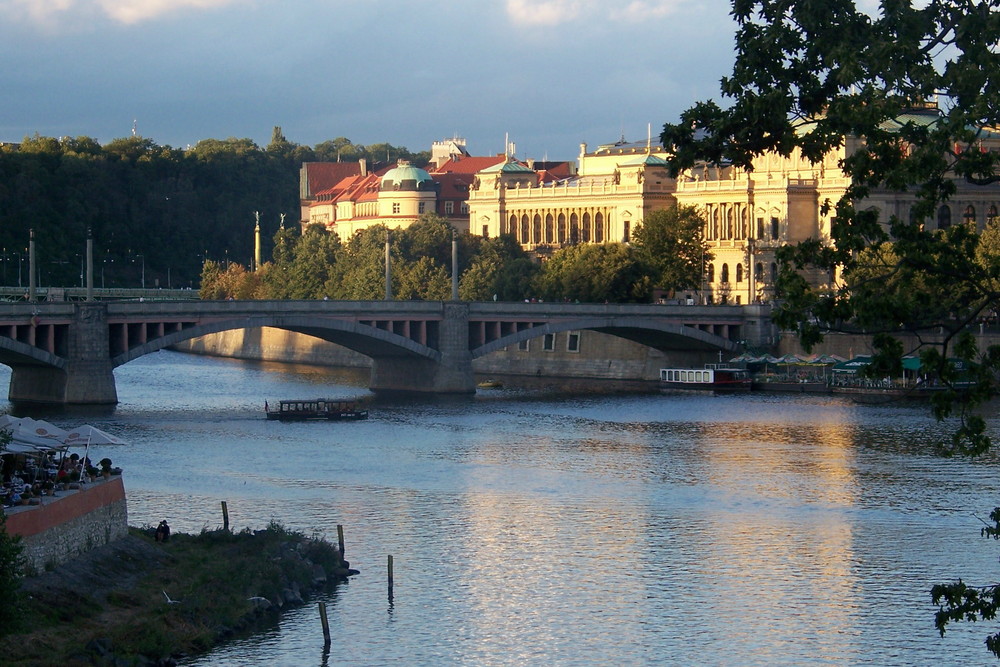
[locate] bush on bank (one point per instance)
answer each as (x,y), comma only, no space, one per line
(220,583)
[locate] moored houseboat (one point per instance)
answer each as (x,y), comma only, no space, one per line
(330,409)
(710,378)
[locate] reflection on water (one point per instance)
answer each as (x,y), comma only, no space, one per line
(531,528)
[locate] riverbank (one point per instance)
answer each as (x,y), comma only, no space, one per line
(149,603)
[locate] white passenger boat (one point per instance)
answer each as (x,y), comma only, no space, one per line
(710,378)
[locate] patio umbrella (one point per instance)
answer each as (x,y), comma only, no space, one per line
(90,435)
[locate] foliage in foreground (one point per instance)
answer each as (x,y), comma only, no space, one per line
(810,74)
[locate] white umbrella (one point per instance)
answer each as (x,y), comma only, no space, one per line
(36,432)
(90,435)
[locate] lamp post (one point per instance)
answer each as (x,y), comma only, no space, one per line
(142,260)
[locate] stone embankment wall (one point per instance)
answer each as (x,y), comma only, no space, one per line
(72,523)
(599,356)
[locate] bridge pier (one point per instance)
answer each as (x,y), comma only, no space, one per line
(451,375)
(87,377)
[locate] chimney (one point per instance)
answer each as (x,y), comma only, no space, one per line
(364,166)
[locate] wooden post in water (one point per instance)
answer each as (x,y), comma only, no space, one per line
(225,516)
(389,564)
(340,539)
(326,624)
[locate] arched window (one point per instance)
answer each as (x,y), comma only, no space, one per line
(586,228)
(969,216)
(725,273)
(758,271)
(716,225)
(731,223)
(512,228)
(774,272)
(711,273)
(944,217)
(991,215)
(536,229)
(561,228)
(574,228)
(598,228)
(549,230)
(525,235)
(739,273)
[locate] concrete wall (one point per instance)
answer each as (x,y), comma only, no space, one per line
(70,524)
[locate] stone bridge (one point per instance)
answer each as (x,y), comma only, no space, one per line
(66,352)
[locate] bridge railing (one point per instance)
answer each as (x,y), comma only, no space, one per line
(100,293)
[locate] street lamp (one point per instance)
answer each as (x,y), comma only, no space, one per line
(142,259)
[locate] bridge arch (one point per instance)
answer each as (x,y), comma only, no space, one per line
(651,332)
(367,340)
(14,352)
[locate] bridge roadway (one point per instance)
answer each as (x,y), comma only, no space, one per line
(65,352)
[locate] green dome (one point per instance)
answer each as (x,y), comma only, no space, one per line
(407,177)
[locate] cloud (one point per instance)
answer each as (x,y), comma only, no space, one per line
(51,13)
(542,12)
(555,12)
(641,10)
(134,11)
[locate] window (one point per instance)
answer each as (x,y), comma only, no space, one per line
(421,206)
(573,341)
(725,273)
(739,273)
(625,235)
(449,207)
(944,217)
(523,345)
(970,215)
(465,207)
(760,228)
(486,231)
(774,228)
(549,342)
(991,215)
(395,207)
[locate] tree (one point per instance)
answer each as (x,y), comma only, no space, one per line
(671,241)
(815,77)
(608,272)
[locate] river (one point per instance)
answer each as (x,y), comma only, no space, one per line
(571,529)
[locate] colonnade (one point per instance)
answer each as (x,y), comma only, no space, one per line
(559,226)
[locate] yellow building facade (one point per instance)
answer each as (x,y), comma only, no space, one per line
(748,214)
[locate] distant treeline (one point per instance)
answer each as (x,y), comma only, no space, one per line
(156,212)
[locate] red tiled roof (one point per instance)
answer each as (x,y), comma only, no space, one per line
(468,165)
(322,176)
(452,185)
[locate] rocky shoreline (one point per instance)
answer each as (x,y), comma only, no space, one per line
(139,602)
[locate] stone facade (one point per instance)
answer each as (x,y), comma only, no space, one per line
(70,524)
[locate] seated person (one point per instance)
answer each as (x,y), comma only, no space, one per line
(163,532)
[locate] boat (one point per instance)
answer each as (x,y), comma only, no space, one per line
(710,378)
(330,409)
(490,384)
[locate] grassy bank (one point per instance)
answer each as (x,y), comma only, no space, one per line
(112,603)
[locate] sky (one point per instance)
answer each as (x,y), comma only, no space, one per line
(548,74)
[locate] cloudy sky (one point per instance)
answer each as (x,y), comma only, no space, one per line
(551,73)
